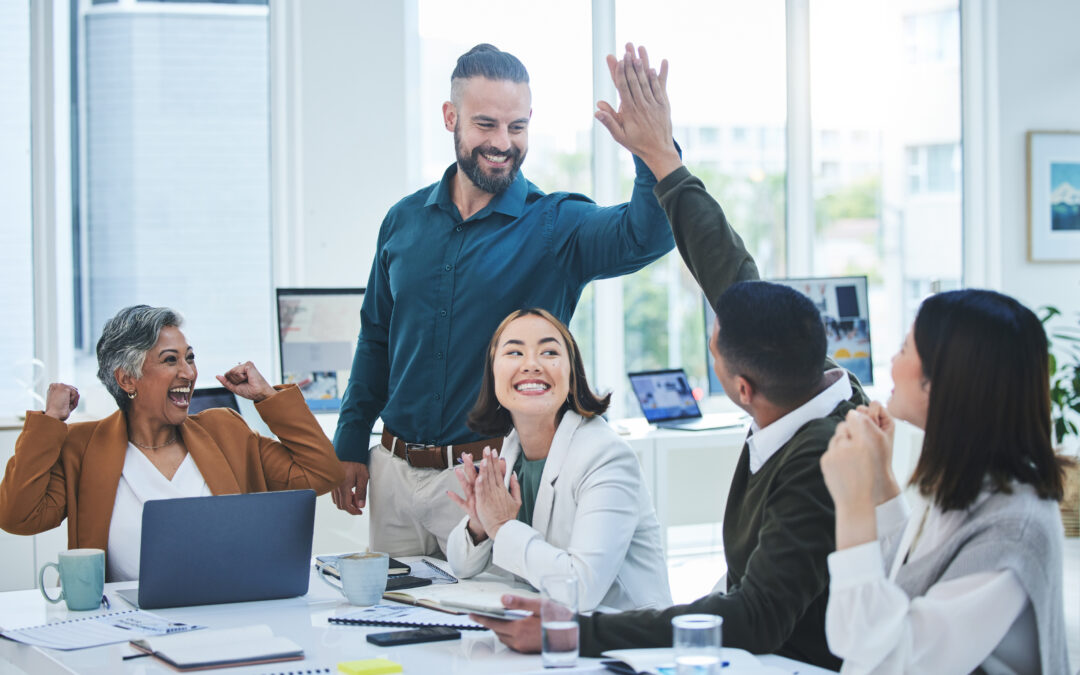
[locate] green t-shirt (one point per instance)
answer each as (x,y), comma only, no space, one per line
(528,473)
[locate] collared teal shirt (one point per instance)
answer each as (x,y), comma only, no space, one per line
(440,285)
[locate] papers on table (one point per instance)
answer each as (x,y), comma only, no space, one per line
(97,630)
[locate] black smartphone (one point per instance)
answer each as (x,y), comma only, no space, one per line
(400,583)
(414,636)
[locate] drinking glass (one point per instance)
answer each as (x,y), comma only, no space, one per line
(697,642)
(559,627)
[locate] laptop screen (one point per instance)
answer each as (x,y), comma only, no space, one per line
(664,395)
(212,397)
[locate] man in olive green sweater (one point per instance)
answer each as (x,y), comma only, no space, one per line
(769,347)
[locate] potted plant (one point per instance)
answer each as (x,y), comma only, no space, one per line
(1065,410)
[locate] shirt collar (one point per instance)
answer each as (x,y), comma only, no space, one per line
(510,201)
(765,442)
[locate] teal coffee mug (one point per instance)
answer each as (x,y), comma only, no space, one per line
(82,578)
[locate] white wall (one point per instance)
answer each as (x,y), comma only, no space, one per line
(1037,81)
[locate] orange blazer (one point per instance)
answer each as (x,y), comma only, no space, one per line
(72,471)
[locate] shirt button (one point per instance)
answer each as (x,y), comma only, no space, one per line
(438,396)
(449,267)
(438,355)
(458,228)
(442,312)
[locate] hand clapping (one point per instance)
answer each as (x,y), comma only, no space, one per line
(487,501)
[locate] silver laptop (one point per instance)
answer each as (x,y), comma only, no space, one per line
(231,548)
(667,400)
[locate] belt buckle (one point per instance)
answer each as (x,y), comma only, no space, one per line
(415,446)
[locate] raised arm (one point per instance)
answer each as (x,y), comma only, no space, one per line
(710,247)
(33,495)
(301,456)
(611,241)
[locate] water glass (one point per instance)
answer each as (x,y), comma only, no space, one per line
(558,622)
(697,641)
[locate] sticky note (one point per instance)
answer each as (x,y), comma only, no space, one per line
(369,667)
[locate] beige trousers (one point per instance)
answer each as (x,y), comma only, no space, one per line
(410,512)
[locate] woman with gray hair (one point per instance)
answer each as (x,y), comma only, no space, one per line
(99,474)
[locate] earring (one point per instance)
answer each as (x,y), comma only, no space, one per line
(132,394)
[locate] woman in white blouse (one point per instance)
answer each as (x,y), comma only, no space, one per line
(98,474)
(970,578)
(567,494)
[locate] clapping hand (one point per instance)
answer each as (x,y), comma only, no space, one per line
(642,124)
(858,474)
(246,381)
(466,475)
(495,505)
(61,400)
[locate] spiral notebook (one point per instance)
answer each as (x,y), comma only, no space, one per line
(97,630)
(404,615)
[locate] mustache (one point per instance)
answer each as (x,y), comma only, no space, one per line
(512,152)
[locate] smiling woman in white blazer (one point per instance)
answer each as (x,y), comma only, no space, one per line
(587,509)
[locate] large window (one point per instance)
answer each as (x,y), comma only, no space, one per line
(885,161)
(733,141)
(175,152)
(17,371)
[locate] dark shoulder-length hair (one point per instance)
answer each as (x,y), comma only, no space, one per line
(985,356)
(488,417)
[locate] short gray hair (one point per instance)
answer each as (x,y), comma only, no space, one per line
(125,340)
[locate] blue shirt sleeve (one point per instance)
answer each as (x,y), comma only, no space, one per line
(369,379)
(599,243)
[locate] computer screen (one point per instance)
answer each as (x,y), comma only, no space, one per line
(317,333)
(212,397)
(842,302)
(664,395)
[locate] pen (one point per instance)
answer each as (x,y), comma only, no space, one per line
(461,460)
(135,656)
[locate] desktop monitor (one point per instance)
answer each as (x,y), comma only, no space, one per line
(317,333)
(842,302)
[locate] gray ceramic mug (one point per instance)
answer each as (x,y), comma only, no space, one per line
(363,577)
(82,578)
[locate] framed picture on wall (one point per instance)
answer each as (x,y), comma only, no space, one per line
(1053,182)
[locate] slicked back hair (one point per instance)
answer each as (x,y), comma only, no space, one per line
(773,337)
(124,342)
(488,417)
(486,61)
(986,358)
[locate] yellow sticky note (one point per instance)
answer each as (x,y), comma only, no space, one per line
(369,667)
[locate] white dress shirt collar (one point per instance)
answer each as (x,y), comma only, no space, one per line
(765,442)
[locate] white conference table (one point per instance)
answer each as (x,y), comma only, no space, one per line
(303,619)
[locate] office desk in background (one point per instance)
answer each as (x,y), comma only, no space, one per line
(303,620)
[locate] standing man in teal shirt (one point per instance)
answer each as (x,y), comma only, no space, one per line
(452,260)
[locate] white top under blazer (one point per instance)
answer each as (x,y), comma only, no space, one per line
(593,517)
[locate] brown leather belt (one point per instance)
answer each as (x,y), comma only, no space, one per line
(421,456)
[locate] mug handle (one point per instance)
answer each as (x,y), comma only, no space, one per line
(41,583)
(325,577)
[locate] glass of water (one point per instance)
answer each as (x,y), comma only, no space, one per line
(558,611)
(697,641)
